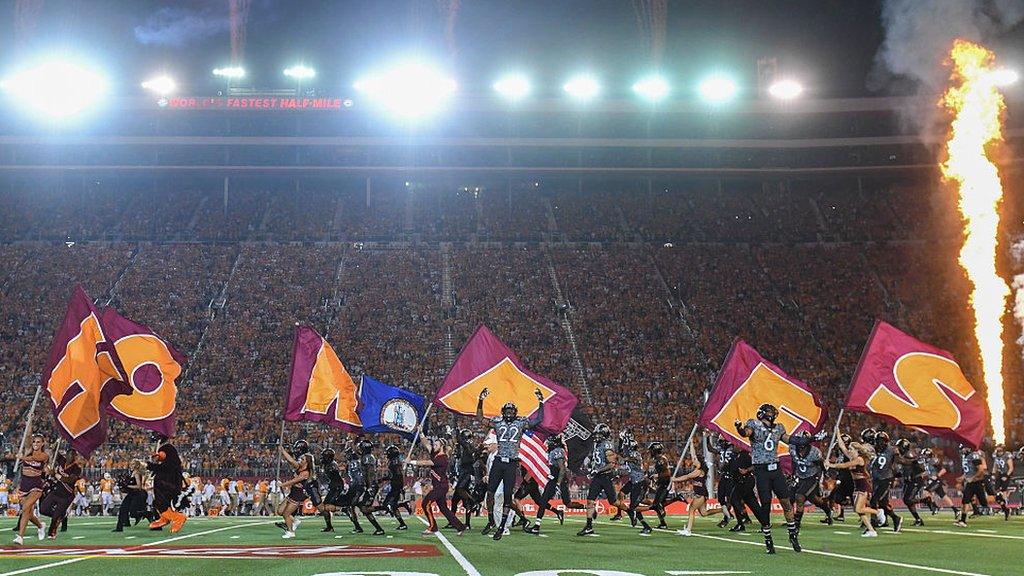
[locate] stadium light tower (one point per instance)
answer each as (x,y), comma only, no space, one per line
(408,90)
(513,86)
(652,88)
(717,89)
(162,85)
(582,87)
(56,88)
(785,89)
(300,72)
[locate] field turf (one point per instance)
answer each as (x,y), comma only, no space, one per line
(989,546)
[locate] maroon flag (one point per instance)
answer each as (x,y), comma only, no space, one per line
(150,366)
(746,381)
(906,381)
(486,362)
(321,389)
(77,375)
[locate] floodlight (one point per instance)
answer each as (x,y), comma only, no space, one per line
(652,88)
(230,72)
(56,88)
(582,87)
(408,90)
(785,89)
(717,89)
(513,86)
(162,85)
(300,72)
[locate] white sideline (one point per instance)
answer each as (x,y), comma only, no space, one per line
(147,544)
(848,557)
(965,533)
(462,560)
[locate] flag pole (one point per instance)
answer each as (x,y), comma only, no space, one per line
(685,449)
(835,434)
(28,425)
(280,443)
(416,436)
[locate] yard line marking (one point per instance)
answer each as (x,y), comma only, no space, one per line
(465,563)
(129,537)
(77,537)
(156,543)
(988,531)
(956,533)
(841,532)
(682,572)
(849,557)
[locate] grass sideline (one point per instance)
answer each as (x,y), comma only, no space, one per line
(989,547)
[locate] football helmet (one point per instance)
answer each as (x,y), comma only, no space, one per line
(300,447)
(509,411)
(768,413)
(602,431)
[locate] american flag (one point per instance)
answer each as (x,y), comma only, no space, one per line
(533,455)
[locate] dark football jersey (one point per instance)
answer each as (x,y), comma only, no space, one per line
(369,464)
(910,467)
(725,457)
(354,468)
(809,466)
(764,441)
(882,464)
(970,463)
(931,466)
(332,476)
(396,472)
(508,435)
(599,455)
(556,456)
(1001,463)
(635,465)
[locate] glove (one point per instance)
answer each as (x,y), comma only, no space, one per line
(821,435)
(739,425)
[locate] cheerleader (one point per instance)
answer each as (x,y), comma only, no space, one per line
(30,489)
(294,487)
(858,455)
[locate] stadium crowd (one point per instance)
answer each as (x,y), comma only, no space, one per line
(636,324)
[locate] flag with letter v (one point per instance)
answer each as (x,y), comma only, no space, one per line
(320,389)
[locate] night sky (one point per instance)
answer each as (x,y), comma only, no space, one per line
(829,44)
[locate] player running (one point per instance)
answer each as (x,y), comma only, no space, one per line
(765,434)
(557,480)
(396,485)
(638,485)
(934,471)
(659,476)
(808,465)
(1002,470)
(912,477)
(603,463)
(974,470)
(508,429)
(463,474)
(882,475)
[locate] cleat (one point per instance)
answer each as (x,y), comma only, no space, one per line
(357,530)
(402,527)
(281,525)
(498,534)
(586,531)
(646,531)
(897,525)
(378,532)
(463,531)
(723,523)
(795,542)
(662,526)
(918,522)
(741,527)
(535,530)
(487,529)
(617,517)
(447,527)
(324,529)
(769,546)
(561,517)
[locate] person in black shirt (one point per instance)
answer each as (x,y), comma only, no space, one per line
(331,477)
(464,469)
(57,500)
(133,486)
(396,485)
(742,471)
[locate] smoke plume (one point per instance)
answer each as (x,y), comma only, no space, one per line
(179,26)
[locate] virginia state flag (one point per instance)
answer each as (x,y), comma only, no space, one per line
(486,362)
(915,384)
(386,409)
(77,379)
(151,367)
(320,389)
(746,381)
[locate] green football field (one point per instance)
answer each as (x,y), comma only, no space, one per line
(243,546)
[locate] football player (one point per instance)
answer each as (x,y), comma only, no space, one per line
(765,434)
(395,478)
(660,477)
(637,484)
(296,494)
(934,470)
(741,469)
(603,463)
(106,494)
(912,477)
(557,480)
(881,468)
(974,470)
(725,452)
(362,472)
(331,477)
(696,479)
(463,473)
(1002,470)
(841,493)
(858,455)
(508,430)
(808,464)
(58,498)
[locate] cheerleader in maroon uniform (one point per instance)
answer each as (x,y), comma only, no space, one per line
(34,460)
(438,494)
